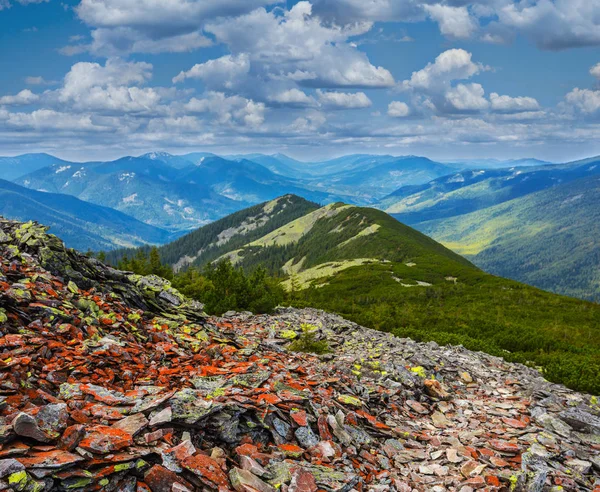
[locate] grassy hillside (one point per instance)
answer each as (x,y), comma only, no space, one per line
(469,191)
(370,268)
(79,224)
(548,239)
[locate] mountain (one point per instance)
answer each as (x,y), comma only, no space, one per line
(80,224)
(369,178)
(496,163)
(548,239)
(469,191)
(12,168)
(367,266)
(118,382)
(160,190)
(144,188)
(277,163)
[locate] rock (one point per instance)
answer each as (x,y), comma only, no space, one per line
(207,470)
(306,437)
(133,424)
(244,481)
(302,481)
(581,420)
(25,425)
(159,479)
(103,440)
(162,417)
(10,466)
(435,389)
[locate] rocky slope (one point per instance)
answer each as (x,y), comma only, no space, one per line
(112,381)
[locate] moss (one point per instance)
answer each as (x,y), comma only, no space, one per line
(19,477)
(419,371)
(350,400)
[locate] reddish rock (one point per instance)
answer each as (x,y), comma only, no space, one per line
(302,481)
(72,437)
(159,479)
(207,469)
(132,424)
(504,446)
(103,440)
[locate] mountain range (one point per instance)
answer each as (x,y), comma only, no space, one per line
(362,263)
(455,203)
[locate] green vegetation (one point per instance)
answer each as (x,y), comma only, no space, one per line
(413,287)
(221,287)
(548,239)
(308,343)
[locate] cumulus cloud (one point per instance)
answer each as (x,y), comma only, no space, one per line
(584,100)
(114,86)
(595,71)
(229,110)
(22,98)
(554,25)
(507,104)
(454,22)
(398,109)
(551,24)
(154,26)
(467,97)
(293,97)
(343,100)
(297,46)
(454,64)
(226,71)
(45,119)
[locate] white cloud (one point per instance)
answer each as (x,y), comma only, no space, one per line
(344,100)
(454,22)
(467,97)
(22,98)
(308,124)
(293,97)
(154,26)
(595,71)
(44,119)
(226,71)
(110,87)
(298,47)
(398,109)
(454,64)
(584,100)
(554,25)
(229,110)
(507,104)
(551,24)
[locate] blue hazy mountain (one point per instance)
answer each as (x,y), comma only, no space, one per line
(80,224)
(12,168)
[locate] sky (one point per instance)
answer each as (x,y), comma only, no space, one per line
(448,79)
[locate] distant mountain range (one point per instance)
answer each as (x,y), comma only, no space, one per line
(457,203)
(80,224)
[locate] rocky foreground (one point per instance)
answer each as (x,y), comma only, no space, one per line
(111,381)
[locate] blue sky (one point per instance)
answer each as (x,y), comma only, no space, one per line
(449,79)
